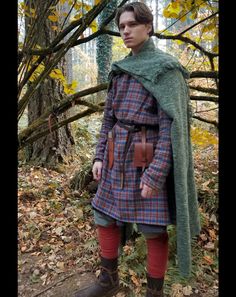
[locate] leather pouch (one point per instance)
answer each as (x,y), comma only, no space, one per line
(143,152)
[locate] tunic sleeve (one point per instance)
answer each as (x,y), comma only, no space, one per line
(108,122)
(155,175)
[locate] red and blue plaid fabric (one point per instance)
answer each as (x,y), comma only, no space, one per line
(128,100)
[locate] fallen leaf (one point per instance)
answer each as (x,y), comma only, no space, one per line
(61,265)
(176,290)
(58,231)
(208,259)
(23,248)
(135,280)
(213,219)
(212,234)
(209,246)
(187,291)
(203,237)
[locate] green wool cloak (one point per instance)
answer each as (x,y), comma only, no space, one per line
(164,77)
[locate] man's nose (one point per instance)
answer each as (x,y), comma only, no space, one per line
(126,30)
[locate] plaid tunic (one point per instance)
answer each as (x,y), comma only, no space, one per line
(128,100)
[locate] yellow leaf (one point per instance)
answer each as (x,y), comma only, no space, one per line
(70,88)
(183,18)
(189,4)
(179,42)
(202,137)
(57,74)
(209,27)
(32,12)
(97,2)
(87,7)
(53,18)
(36,72)
(27,14)
(37,46)
(77,6)
(94,26)
(174,9)
(77,16)
(166,13)
(215,49)
(23,6)
(54,28)
(200,3)
(194,15)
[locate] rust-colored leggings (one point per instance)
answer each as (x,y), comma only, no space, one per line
(157,249)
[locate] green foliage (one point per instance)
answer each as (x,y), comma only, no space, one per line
(132,267)
(82,177)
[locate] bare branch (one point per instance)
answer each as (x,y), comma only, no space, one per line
(204,74)
(206,110)
(205,90)
(186,40)
(24,142)
(204,98)
(60,108)
(216,124)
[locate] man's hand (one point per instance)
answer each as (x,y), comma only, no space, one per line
(147,191)
(97,170)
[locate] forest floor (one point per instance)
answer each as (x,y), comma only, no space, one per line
(57,247)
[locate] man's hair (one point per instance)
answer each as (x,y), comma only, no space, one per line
(142,14)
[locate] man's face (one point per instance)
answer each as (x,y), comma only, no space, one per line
(132,32)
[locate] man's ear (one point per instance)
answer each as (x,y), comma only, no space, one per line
(149,27)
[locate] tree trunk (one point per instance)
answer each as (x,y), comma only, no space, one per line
(57,147)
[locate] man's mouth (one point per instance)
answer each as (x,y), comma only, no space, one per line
(128,39)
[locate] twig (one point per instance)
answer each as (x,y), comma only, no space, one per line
(59,281)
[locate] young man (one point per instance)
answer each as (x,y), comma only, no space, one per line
(146,114)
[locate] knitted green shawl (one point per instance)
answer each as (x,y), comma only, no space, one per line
(164,77)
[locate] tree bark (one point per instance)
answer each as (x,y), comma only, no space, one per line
(57,147)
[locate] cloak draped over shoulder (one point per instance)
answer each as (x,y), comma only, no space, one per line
(164,77)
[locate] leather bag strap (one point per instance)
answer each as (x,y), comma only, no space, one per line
(143,135)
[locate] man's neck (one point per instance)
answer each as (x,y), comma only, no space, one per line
(137,49)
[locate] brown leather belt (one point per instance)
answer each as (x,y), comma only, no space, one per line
(131,128)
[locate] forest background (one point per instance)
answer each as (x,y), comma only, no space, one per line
(65,50)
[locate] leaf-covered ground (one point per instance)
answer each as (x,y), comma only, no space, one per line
(58,251)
